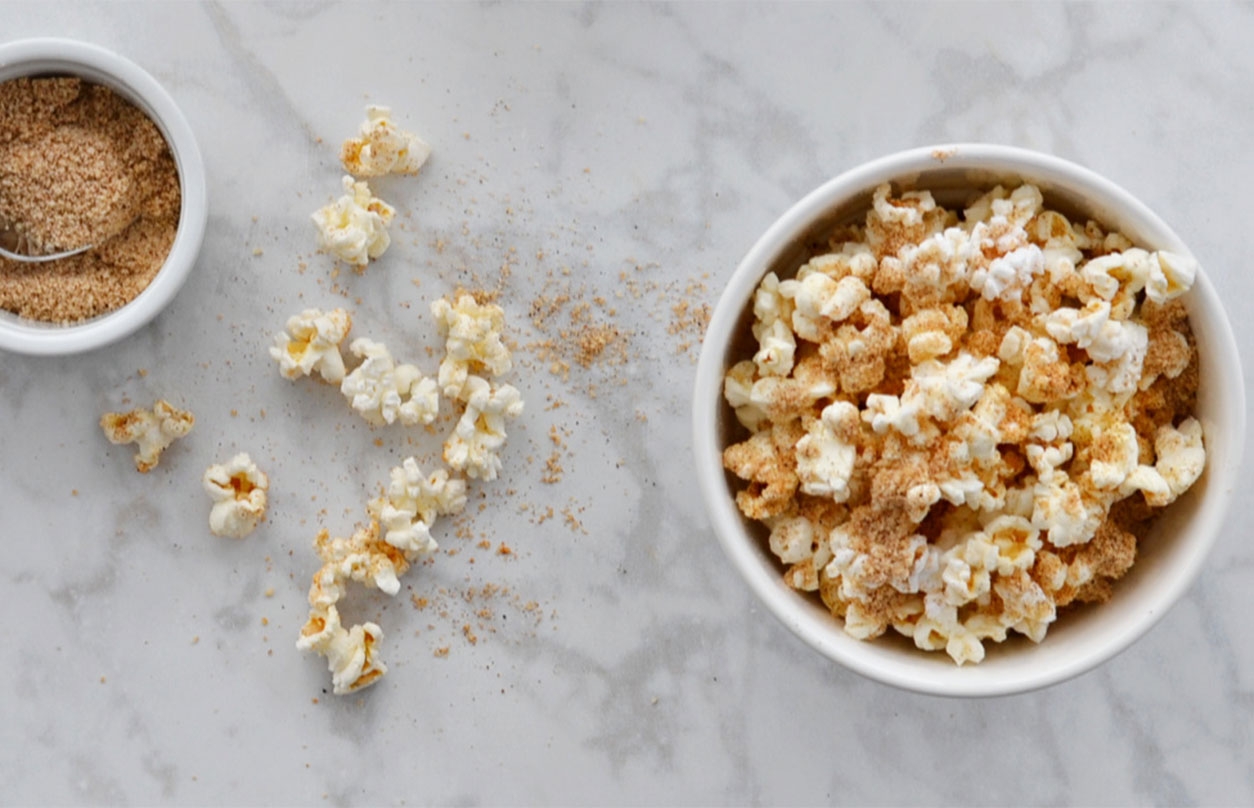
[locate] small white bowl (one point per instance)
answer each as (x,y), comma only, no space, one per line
(1168,561)
(64,57)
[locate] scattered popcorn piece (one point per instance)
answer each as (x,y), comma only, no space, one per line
(151,430)
(383,392)
(480,432)
(351,653)
(411,505)
(311,344)
(947,416)
(383,148)
(238,490)
(354,228)
(473,346)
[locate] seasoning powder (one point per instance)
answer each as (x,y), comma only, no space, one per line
(80,165)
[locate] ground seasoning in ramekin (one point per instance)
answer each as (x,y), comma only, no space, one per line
(81,165)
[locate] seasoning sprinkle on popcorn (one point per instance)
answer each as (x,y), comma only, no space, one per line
(398,532)
(959,426)
(408,510)
(151,430)
(383,148)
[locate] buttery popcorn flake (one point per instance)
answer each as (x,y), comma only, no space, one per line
(238,490)
(412,502)
(151,430)
(472,342)
(383,148)
(383,392)
(960,424)
(351,653)
(480,432)
(354,228)
(311,344)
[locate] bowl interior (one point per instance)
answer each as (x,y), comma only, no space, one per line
(55,57)
(1168,560)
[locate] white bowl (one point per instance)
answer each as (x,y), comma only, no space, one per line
(47,57)
(1168,561)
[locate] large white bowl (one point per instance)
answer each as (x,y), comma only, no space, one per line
(1168,560)
(62,57)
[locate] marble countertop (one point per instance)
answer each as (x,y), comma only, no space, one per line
(597,165)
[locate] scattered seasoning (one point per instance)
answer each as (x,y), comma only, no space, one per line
(80,165)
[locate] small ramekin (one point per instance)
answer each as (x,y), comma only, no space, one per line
(64,57)
(1168,561)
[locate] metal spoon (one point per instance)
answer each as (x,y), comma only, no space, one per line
(11,239)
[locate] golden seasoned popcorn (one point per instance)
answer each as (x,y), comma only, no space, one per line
(311,344)
(959,424)
(383,392)
(411,505)
(151,430)
(354,228)
(383,148)
(351,653)
(480,432)
(238,490)
(375,557)
(398,533)
(472,342)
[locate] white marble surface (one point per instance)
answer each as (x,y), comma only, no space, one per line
(632,152)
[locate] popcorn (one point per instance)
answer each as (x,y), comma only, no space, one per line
(819,299)
(480,432)
(238,490)
(411,505)
(151,430)
(946,417)
(772,328)
(311,344)
(407,511)
(1008,275)
(381,148)
(383,392)
(350,653)
(1181,460)
(472,343)
(1171,277)
(363,557)
(825,455)
(398,533)
(354,228)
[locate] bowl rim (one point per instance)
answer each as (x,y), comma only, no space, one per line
(100,65)
(785,604)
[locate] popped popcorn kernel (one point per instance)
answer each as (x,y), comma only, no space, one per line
(961,422)
(472,343)
(354,228)
(383,148)
(238,490)
(384,392)
(480,432)
(311,344)
(151,430)
(411,505)
(351,653)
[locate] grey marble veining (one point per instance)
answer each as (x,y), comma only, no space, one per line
(624,152)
